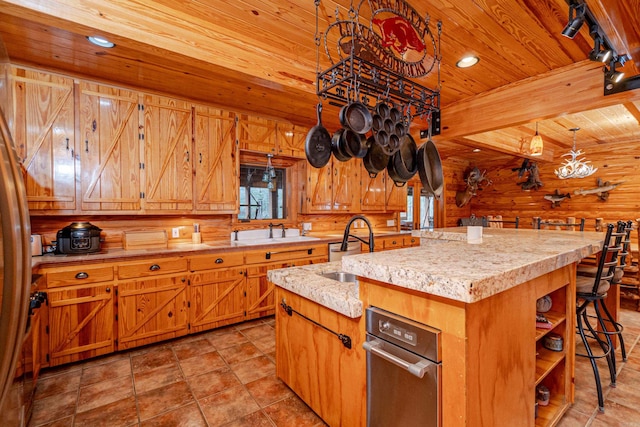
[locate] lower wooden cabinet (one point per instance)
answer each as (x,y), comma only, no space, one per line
(152,310)
(217,298)
(80,323)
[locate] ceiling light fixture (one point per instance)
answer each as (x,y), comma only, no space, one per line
(574,168)
(576,20)
(467,61)
(476,150)
(536,145)
(101,41)
(613,75)
(598,54)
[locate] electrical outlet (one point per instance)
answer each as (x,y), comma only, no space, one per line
(391,223)
(175,232)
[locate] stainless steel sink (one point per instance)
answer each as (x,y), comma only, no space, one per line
(341,276)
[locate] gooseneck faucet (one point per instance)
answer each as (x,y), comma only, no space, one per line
(345,238)
(284,233)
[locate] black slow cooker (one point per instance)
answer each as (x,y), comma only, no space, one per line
(78,238)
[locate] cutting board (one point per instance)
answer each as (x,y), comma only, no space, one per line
(145,239)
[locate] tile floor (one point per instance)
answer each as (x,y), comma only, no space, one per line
(227,377)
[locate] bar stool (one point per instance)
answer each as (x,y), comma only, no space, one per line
(591,291)
(497,221)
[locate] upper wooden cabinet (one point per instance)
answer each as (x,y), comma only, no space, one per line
(372,191)
(217,161)
(109,148)
(44,134)
(333,188)
(396,197)
(269,136)
(168,154)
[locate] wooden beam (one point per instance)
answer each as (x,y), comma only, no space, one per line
(572,89)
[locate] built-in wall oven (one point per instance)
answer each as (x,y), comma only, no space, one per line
(403,371)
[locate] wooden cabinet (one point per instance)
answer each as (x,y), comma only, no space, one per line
(396,197)
(333,188)
(81,320)
(554,369)
(256,134)
(217,290)
(260,292)
(372,191)
(168,155)
(217,162)
(271,137)
(410,241)
(44,133)
(110,148)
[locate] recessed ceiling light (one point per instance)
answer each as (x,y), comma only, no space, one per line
(467,61)
(100,41)
(476,150)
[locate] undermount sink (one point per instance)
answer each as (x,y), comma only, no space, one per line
(275,240)
(340,276)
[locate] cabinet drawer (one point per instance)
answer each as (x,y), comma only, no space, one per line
(152,268)
(392,242)
(211,261)
(285,253)
(410,241)
(79,276)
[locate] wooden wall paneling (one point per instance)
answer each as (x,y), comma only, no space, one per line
(109,148)
(217,161)
(44,134)
(168,154)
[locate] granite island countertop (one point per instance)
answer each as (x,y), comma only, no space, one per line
(445,265)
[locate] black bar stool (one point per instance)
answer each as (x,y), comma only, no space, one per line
(538,222)
(591,291)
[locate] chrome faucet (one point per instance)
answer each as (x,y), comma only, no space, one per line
(345,238)
(284,233)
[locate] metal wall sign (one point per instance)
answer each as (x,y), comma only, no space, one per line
(376,52)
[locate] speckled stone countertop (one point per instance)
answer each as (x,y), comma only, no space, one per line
(307,281)
(445,265)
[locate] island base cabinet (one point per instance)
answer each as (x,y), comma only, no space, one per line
(315,364)
(152,310)
(80,323)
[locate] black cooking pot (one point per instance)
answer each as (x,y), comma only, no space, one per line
(78,238)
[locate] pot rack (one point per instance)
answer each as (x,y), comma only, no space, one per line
(354,78)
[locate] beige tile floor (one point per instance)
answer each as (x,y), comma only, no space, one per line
(227,377)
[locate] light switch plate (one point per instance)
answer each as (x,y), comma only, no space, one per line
(175,232)
(391,223)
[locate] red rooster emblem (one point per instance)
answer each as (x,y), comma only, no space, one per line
(398,33)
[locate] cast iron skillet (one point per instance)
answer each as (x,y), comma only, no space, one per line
(376,159)
(356,116)
(337,146)
(430,168)
(403,164)
(317,146)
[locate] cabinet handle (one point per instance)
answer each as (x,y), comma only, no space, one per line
(200,157)
(82,275)
(86,145)
(219,261)
(393,242)
(187,155)
(67,144)
(154,267)
(108,290)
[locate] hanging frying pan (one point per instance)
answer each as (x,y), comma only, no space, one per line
(356,116)
(376,159)
(430,168)
(337,145)
(317,146)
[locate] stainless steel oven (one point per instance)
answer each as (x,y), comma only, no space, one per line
(403,371)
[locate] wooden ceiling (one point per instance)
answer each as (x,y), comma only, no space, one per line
(260,56)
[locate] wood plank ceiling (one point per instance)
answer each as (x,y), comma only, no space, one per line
(260,56)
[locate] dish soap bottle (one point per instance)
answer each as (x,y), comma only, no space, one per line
(196,238)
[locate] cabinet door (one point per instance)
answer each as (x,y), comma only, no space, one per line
(346,186)
(217,161)
(217,298)
(291,140)
(396,197)
(167,154)
(260,292)
(80,323)
(44,134)
(372,191)
(152,310)
(318,189)
(256,134)
(110,148)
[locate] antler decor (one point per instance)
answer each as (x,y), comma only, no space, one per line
(474,179)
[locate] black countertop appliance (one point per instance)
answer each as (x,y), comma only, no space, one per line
(78,238)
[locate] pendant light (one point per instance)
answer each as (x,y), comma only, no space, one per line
(574,168)
(536,145)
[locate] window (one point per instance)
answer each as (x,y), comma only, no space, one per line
(422,207)
(262,193)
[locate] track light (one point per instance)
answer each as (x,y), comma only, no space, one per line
(576,19)
(598,54)
(612,75)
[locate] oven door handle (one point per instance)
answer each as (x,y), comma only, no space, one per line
(417,369)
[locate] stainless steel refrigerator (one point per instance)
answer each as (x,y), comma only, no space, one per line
(15,283)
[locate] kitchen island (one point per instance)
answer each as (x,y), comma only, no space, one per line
(481,297)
